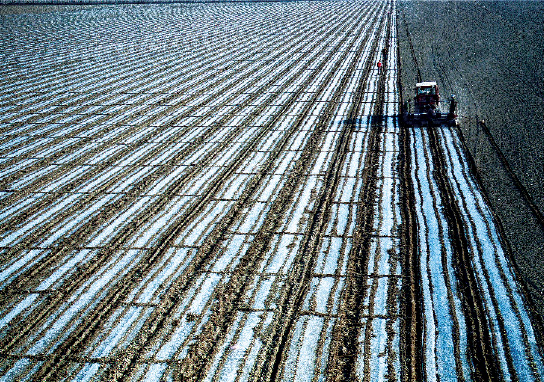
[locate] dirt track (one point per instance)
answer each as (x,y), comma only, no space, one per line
(185,199)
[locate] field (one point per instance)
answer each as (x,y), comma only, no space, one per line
(223,192)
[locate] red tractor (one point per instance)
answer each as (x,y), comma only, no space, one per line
(427,107)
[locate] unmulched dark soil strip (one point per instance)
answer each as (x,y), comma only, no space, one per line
(344,344)
(519,185)
(193,367)
(485,366)
(392,330)
(150,177)
(24,327)
(76,341)
(395,314)
(411,336)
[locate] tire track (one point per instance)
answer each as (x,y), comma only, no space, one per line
(519,185)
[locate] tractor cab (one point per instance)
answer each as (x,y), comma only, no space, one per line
(427,96)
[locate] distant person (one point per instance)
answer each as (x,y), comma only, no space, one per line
(380,67)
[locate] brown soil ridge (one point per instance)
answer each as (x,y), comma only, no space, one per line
(319,222)
(115,206)
(412,295)
(54,367)
(159,171)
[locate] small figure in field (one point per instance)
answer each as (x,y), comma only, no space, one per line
(384,54)
(380,67)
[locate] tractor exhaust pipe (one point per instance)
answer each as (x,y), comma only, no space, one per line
(453,106)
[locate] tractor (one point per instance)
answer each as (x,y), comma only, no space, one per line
(427,107)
